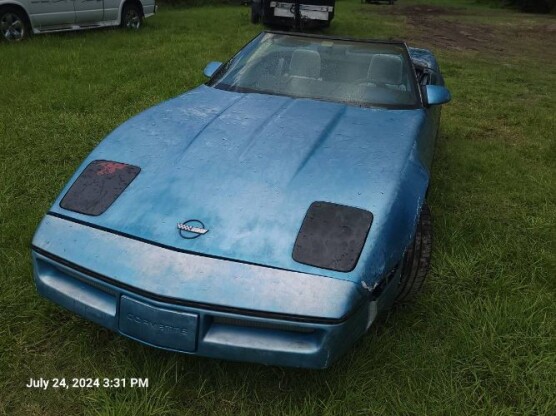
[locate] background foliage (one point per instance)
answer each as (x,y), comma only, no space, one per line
(531,6)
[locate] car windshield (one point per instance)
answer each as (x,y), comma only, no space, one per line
(362,73)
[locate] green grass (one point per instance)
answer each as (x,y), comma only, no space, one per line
(480,340)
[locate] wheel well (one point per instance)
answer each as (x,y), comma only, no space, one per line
(137,3)
(17,7)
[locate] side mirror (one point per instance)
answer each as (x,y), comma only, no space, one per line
(211,68)
(436,95)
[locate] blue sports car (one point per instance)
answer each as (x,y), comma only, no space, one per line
(266,216)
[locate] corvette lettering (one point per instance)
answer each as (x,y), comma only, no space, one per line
(157,326)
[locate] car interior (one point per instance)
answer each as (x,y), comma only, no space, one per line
(337,72)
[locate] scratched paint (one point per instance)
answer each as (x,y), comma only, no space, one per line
(109,168)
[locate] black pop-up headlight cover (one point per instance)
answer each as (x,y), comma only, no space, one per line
(98,186)
(332,236)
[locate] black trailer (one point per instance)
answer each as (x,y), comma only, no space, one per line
(293,13)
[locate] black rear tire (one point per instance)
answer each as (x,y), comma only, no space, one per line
(417,259)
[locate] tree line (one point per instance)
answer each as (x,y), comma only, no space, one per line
(529,6)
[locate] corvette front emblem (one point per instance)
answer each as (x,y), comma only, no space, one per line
(191,229)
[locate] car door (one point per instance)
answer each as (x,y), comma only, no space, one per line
(47,13)
(89,11)
(111,9)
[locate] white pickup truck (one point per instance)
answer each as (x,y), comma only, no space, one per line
(18,18)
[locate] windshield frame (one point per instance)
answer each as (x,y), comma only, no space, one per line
(412,76)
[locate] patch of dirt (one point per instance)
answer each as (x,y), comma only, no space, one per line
(454,35)
(440,27)
(423,9)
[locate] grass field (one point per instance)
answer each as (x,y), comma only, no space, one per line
(480,340)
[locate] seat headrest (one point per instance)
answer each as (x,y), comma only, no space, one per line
(305,63)
(386,69)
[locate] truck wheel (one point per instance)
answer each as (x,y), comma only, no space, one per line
(255,13)
(131,16)
(417,259)
(13,24)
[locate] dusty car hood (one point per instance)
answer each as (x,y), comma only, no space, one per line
(249,165)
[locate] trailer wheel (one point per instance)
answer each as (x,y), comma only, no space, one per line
(417,259)
(255,13)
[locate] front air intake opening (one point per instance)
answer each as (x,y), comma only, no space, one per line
(261,336)
(223,320)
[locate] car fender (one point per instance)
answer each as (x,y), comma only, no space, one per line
(395,231)
(18,4)
(146,5)
(15,3)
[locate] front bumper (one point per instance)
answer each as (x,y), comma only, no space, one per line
(177,301)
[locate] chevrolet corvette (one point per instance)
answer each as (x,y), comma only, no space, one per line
(268,215)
